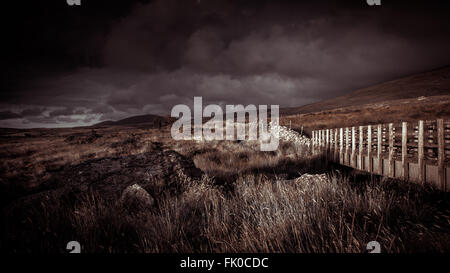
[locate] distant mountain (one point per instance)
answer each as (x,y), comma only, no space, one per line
(148,120)
(432,83)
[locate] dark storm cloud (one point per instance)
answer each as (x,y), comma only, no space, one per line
(32,112)
(162,53)
(4,115)
(68,111)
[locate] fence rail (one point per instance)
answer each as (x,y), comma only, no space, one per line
(416,151)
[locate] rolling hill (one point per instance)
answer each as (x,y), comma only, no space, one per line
(423,96)
(149,120)
(431,83)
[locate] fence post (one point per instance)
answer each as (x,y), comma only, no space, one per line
(369,147)
(316,139)
(323,140)
(312,141)
(353,156)
(336,144)
(441,153)
(405,171)
(379,148)
(341,145)
(361,146)
(328,142)
(347,145)
(320,140)
(420,153)
(391,151)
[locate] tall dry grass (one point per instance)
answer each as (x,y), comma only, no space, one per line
(247,201)
(321,214)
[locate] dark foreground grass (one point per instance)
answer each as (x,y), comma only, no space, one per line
(327,213)
(247,201)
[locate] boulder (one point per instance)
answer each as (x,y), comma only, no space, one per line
(135,197)
(312,178)
(156,172)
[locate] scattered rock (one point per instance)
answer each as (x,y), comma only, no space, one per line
(127,180)
(155,171)
(136,198)
(312,178)
(306,179)
(284,133)
(289,135)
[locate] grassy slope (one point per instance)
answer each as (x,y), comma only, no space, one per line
(432,83)
(421,96)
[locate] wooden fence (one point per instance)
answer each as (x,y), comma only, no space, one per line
(416,151)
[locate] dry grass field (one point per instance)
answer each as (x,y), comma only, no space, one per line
(221,196)
(425,108)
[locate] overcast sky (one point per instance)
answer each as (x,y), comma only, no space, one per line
(106,60)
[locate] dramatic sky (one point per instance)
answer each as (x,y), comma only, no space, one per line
(105,60)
